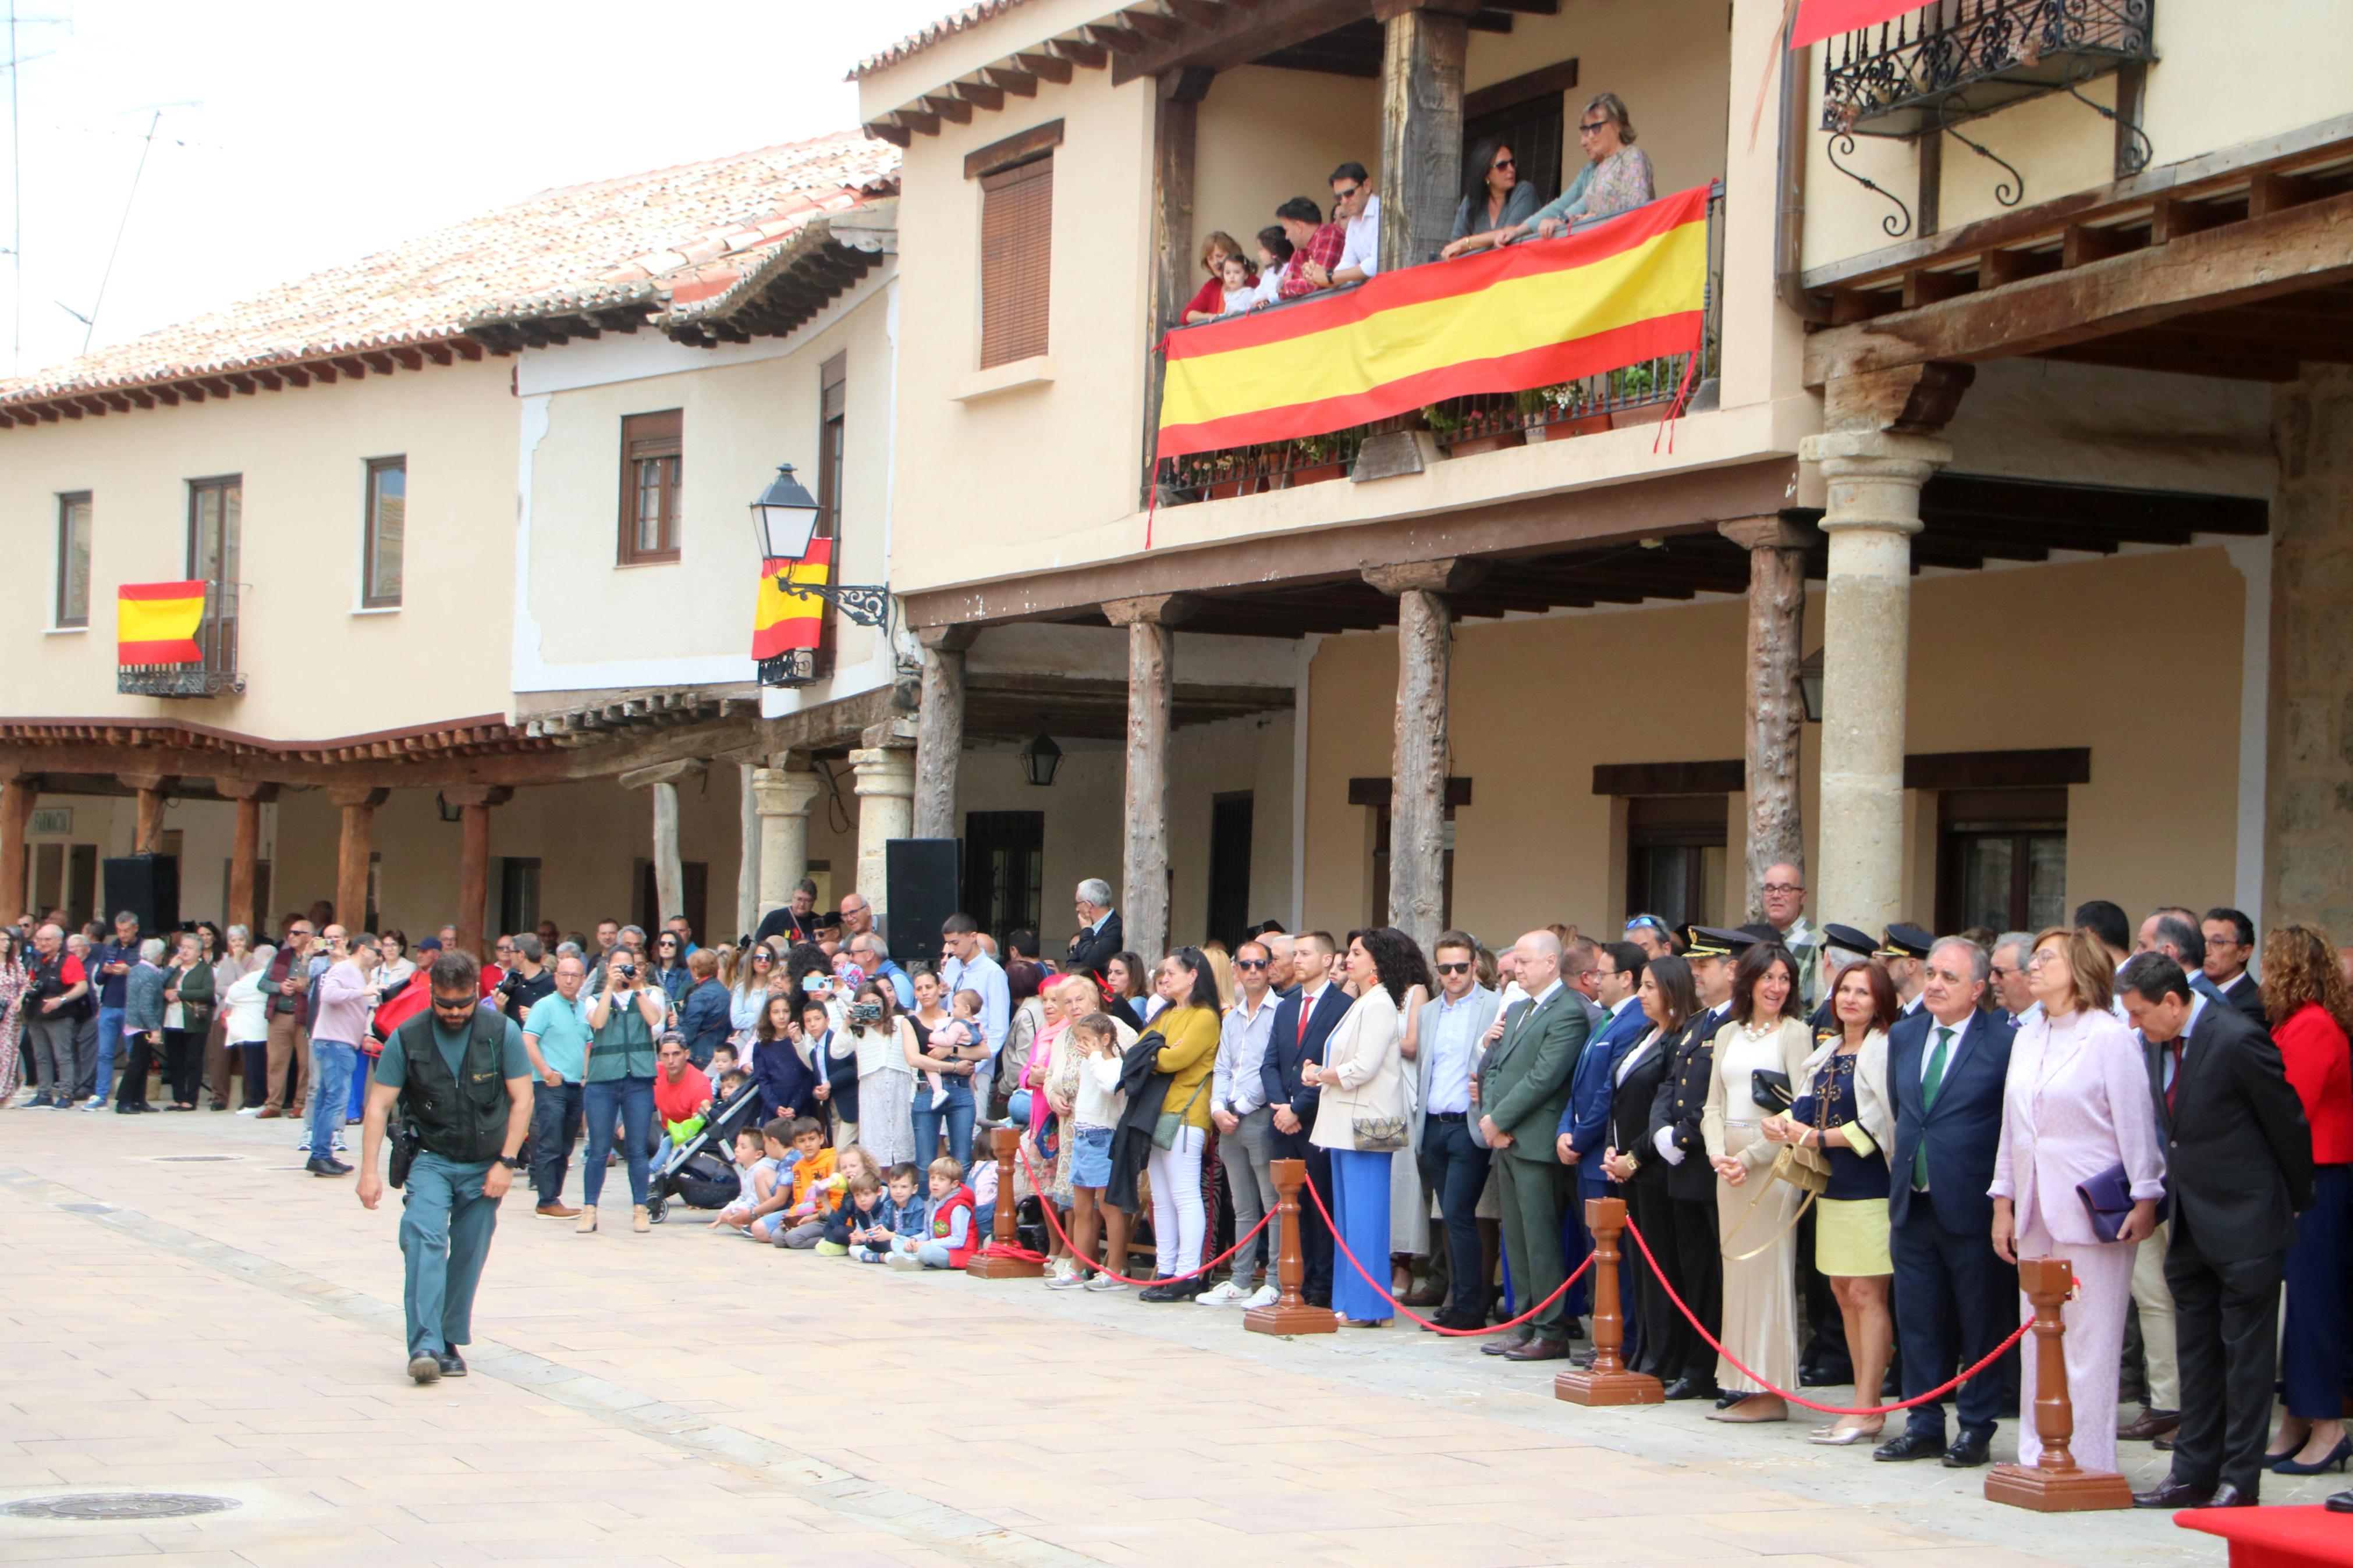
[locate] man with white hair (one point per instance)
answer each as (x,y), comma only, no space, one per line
(873,956)
(2011,994)
(54,1002)
(1524,1084)
(1099,935)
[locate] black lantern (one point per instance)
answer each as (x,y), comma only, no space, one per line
(1809,686)
(1040,758)
(784,523)
(784,518)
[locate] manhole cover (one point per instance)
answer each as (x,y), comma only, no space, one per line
(187,1159)
(119,1505)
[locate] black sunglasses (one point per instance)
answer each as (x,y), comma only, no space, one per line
(1453,969)
(1504,164)
(1250,964)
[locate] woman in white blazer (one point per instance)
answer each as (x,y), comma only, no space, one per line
(1361,1115)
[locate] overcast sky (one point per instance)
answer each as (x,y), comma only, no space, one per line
(295,135)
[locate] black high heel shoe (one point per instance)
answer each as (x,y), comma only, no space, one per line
(2336,1461)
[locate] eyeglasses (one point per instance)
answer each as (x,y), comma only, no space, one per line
(1781,888)
(1250,964)
(1504,164)
(1453,969)
(763,956)
(1340,195)
(1589,127)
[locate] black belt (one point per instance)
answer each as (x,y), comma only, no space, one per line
(1447,1116)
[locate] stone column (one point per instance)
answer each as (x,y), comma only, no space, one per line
(782,800)
(351,852)
(1873,478)
(2308,769)
(885,767)
(1418,767)
(18,794)
(1424,46)
(155,792)
(474,803)
(1144,858)
(1775,709)
(939,728)
(245,849)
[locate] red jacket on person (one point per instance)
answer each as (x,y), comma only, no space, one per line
(401,1006)
(2321,1070)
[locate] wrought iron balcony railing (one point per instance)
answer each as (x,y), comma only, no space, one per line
(1954,59)
(213,674)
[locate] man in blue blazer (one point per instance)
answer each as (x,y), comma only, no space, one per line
(1583,1129)
(1304,1020)
(1955,1297)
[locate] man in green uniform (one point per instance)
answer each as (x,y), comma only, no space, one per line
(462,1080)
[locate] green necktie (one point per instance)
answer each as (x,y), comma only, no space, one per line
(1929,1085)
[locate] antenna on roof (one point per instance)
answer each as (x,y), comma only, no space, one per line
(16,63)
(147,146)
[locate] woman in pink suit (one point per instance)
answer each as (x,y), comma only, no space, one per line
(2075,1104)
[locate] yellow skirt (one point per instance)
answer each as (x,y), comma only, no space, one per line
(1850,1236)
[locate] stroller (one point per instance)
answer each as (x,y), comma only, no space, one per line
(698,1172)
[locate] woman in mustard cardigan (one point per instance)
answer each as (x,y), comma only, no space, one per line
(1187,1027)
(1360,1115)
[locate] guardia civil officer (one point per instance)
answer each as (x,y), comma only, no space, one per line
(463,1083)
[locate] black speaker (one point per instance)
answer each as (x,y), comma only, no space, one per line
(149,887)
(921,875)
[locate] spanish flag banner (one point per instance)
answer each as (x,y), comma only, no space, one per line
(1507,319)
(785,627)
(1820,19)
(156,622)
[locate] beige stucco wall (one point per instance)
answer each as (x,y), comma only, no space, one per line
(2041,657)
(303,638)
(1266,135)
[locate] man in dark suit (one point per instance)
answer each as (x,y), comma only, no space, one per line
(1099,937)
(1523,1088)
(1661,1334)
(1617,1025)
(1304,1020)
(2230,942)
(1694,1263)
(2238,1161)
(1955,1297)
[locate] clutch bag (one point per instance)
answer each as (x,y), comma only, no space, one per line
(1771,1090)
(2108,1200)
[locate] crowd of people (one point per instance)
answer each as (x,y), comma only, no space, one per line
(1834,1147)
(1303,253)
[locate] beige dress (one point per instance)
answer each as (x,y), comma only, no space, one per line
(1760,1295)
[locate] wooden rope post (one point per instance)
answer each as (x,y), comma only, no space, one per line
(1007,1143)
(1607,1381)
(1290,1314)
(2054,1483)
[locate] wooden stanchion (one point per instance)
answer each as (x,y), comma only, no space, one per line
(1607,1381)
(1290,1314)
(1007,1142)
(2054,1483)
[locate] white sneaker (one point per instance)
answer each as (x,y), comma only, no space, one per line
(1264,1296)
(903,1260)
(1069,1280)
(1105,1282)
(1226,1295)
(95,1102)
(248,1110)
(939,1098)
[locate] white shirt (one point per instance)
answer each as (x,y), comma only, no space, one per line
(1237,1087)
(1363,246)
(1454,1045)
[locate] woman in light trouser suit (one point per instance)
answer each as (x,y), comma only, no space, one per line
(1363,1089)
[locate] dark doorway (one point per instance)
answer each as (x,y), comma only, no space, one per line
(1004,869)
(1230,867)
(1675,858)
(696,876)
(1527,112)
(2001,859)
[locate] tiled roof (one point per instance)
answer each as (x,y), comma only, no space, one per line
(581,247)
(947,26)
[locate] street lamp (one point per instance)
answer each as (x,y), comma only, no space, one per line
(1040,758)
(1809,686)
(784,521)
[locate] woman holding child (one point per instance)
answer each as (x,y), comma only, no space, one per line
(955,1065)
(1361,1117)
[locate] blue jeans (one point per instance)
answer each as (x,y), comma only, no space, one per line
(632,1099)
(445,1233)
(109,1037)
(957,1112)
(332,1065)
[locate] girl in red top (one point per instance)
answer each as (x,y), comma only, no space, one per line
(1210,302)
(2304,997)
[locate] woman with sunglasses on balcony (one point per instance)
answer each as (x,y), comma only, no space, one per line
(1616,177)
(1495,200)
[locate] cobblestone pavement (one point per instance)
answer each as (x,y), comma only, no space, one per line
(188,1312)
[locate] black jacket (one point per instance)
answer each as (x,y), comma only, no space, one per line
(2248,997)
(1091,950)
(841,1078)
(1287,1051)
(1630,1111)
(1682,1095)
(1131,1142)
(2238,1153)
(1962,1133)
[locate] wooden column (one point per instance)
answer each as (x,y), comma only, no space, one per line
(661,782)
(783,798)
(2056,1483)
(1775,709)
(1607,1381)
(939,728)
(351,852)
(747,853)
(18,794)
(1417,887)
(1144,858)
(474,803)
(1175,117)
(155,792)
(245,849)
(1290,1314)
(1424,44)
(1007,1142)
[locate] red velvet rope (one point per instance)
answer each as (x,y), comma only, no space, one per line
(1436,1328)
(994,1249)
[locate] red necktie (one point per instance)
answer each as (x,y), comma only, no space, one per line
(1306,1005)
(2173,1083)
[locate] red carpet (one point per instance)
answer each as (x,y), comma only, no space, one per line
(2276,1537)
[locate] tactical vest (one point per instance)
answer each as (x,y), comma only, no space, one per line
(461,1118)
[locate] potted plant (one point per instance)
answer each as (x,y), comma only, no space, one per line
(1636,396)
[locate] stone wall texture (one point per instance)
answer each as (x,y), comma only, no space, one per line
(2308,843)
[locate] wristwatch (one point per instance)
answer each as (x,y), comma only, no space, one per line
(511,1162)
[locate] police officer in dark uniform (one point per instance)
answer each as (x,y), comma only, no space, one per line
(1905,954)
(462,1081)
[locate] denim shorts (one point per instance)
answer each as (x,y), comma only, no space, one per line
(1091,1157)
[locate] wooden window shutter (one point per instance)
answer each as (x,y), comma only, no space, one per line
(1017,221)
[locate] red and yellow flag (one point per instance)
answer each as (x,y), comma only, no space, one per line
(1508,319)
(782,622)
(1820,19)
(156,622)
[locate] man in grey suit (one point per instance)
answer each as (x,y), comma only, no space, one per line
(1523,1085)
(1453,1162)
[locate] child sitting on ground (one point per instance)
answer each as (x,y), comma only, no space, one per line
(962,1029)
(813,1164)
(953,1240)
(909,1215)
(866,1223)
(833,1198)
(760,1165)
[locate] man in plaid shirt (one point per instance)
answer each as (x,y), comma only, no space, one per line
(1313,242)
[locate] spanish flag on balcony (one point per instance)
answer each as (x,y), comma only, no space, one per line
(1820,19)
(785,627)
(1524,316)
(156,622)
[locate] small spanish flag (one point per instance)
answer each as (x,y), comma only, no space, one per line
(783,623)
(156,622)
(1820,19)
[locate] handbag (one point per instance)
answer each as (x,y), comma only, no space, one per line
(2107,1200)
(1170,1123)
(1378,1134)
(1771,1090)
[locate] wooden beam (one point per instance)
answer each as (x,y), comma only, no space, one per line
(980,95)
(884,131)
(2258,258)
(1423,60)
(2079,245)
(1006,78)
(915,122)
(948,107)
(1046,67)
(1489,21)
(1152,24)
(1923,288)
(2268,194)
(1549,81)
(1240,37)
(1175,121)
(409,358)
(1078,52)
(466,348)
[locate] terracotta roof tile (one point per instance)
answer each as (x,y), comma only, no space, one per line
(947,26)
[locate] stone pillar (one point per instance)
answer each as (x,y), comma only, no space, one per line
(474,803)
(747,854)
(154,791)
(885,767)
(782,800)
(1775,709)
(245,849)
(939,728)
(2309,815)
(1424,44)
(1144,858)
(352,850)
(18,794)
(1417,768)
(1873,478)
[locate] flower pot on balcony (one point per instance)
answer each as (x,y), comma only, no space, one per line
(1318,474)
(1244,486)
(1576,425)
(1640,414)
(1493,442)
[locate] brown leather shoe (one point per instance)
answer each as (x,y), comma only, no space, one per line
(268,1112)
(556,1211)
(1539,1349)
(2152,1424)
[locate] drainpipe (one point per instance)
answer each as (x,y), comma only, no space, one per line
(1789,189)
